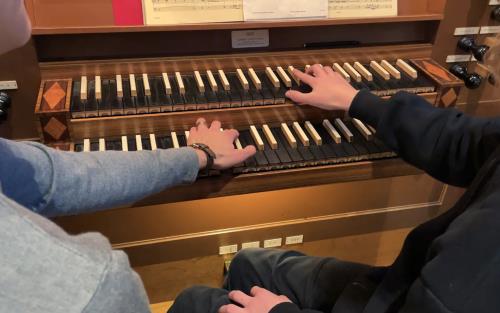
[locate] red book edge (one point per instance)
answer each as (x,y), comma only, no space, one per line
(128,12)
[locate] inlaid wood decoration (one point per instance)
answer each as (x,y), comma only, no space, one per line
(52,111)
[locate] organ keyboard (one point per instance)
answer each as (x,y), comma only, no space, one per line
(156,93)
(151,104)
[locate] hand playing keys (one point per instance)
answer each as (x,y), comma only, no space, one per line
(220,142)
(260,300)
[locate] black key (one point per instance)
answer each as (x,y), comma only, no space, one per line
(129,105)
(267,94)
(210,95)
(189,96)
(177,98)
(270,87)
(77,106)
(158,96)
(257,98)
(281,152)
(282,142)
(146,143)
(113,145)
(142,103)
(116,104)
(234,92)
(79,146)
(326,148)
(268,151)
(164,142)
(260,157)
(94,146)
(91,107)
(107,99)
(132,146)
(250,163)
(182,140)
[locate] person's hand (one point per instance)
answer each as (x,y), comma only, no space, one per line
(330,91)
(220,142)
(259,301)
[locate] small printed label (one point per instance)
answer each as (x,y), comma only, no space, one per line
(461,31)
(248,245)
(8,85)
(228,249)
(494,2)
(490,30)
(458,58)
(250,38)
(273,243)
(294,240)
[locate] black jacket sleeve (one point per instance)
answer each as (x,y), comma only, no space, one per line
(289,307)
(446,143)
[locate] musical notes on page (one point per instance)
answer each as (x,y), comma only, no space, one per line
(284,9)
(164,12)
(362,8)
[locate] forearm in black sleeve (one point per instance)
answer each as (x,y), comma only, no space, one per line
(289,307)
(446,143)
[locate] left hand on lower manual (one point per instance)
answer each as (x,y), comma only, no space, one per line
(260,300)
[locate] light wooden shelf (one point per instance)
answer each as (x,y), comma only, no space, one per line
(234,25)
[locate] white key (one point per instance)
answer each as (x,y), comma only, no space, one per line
(290,71)
(124,143)
(352,71)
(175,141)
(138,142)
(284,77)
(313,133)
(133,85)
(119,86)
(86,145)
(199,82)
(302,135)
(255,79)
(344,130)
(212,81)
(332,131)
(224,80)
(238,145)
(270,137)
(186,134)
(102,145)
(337,68)
(363,71)
(166,82)
(272,77)
(83,88)
(288,135)
(373,130)
(152,140)
(180,83)
(307,67)
(405,67)
(362,129)
(147,86)
(391,69)
(380,70)
(256,138)
(243,80)
(98,88)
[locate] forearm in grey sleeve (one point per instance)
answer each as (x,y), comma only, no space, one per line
(55,183)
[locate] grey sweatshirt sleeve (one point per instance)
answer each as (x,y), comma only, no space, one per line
(55,183)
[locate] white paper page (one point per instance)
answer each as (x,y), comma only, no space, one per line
(362,8)
(284,9)
(164,12)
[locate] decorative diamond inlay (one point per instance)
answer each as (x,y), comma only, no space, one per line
(54,95)
(55,128)
(449,98)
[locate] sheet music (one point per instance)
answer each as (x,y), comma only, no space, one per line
(284,9)
(362,8)
(164,12)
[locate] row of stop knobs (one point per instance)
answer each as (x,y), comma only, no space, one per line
(472,80)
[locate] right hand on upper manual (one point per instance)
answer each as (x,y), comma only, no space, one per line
(220,142)
(330,91)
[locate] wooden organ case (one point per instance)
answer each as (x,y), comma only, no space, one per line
(357,204)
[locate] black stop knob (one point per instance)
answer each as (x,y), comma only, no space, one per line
(469,45)
(495,14)
(472,81)
(5,100)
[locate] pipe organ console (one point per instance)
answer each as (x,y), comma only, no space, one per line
(97,87)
